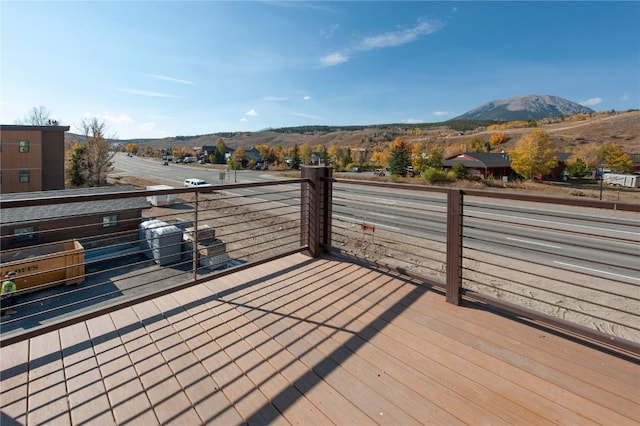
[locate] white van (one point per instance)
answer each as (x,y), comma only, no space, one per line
(196,183)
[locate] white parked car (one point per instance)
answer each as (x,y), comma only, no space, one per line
(196,183)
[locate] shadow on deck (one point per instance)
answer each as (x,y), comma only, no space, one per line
(313,341)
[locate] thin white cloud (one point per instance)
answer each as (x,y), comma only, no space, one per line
(146,126)
(310,116)
(306,98)
(625,97)
(251,112)
(122,118)
(591,102)
(440,113)
(146,93)
(413,121)
(328,32)
(384,40)
(172,79)
(275,98)
(243,119)
(333,59)
(400,37)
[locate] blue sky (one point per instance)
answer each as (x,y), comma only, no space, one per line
(157,69)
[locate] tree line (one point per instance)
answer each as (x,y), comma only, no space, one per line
(89,161)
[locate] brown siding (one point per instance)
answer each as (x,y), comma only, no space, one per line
(44,163)
(52,160)
(88,227)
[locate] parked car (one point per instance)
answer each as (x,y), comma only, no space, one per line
(378,172)
(196,183)
(355,170)
(165,163)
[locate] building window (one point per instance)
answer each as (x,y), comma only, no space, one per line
(23,176)
(23,234)
(23,146)
(111,220)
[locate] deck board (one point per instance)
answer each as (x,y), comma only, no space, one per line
(313,341)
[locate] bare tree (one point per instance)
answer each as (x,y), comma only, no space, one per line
(98,151)
(40,116)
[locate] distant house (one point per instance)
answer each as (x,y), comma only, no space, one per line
(209,150)
(252,155)
(31,158)
(481,164)
(635,159)
(91,222)
(558,172)
(318,158)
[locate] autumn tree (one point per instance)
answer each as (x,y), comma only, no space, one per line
(612,156)
(279,154)
(294,155)
(434,158)
(399,157)
(239,155)
(498,138)
(418,159)
(476,145)
(131,148)
(305,153)
(589,153)
(380,157)
(334,154)
(221,149)
(533,155)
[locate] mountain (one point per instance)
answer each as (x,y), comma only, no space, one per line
(528,107)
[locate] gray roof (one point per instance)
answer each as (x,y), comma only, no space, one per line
(479,160)
(57,211)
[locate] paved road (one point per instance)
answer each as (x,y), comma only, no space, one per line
(602,243)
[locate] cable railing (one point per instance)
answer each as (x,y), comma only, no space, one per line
(566,263)
(569,263)
(105,264)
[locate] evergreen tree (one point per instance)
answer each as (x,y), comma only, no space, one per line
(399,158)
(76,169)
(346,160)
(295,157)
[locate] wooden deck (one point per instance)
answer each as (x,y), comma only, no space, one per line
(312,341)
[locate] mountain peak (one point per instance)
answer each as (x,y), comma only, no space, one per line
(525,107)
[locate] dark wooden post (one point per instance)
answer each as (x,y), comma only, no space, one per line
(316,209)
(454,245)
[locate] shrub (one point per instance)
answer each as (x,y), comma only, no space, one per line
(433,175)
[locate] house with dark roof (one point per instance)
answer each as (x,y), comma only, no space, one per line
(318,158)
(481,164)
(99,222)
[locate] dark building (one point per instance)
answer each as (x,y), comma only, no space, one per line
(91,222)
(482,164)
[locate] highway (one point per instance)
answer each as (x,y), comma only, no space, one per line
(605,244)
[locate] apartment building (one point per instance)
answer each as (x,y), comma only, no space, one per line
(31,158)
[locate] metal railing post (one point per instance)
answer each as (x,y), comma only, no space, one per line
(454,246)
(315,213)
(195,238)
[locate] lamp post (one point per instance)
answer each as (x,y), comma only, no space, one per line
(601,179)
